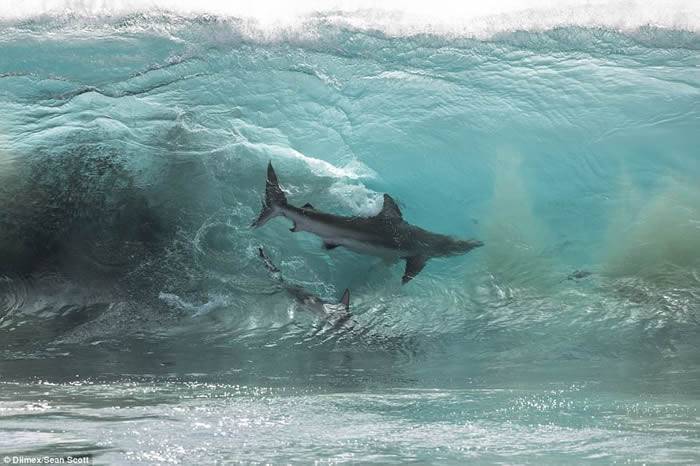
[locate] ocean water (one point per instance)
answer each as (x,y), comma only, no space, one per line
(139,326)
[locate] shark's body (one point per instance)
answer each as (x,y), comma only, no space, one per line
(385,235)
(337,313)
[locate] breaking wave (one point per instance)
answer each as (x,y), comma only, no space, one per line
(133,145)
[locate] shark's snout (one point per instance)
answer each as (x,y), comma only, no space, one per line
(464,246)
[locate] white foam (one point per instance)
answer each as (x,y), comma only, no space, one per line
(268,18)
(357,198)
(196,310)
(277,146)
(354,170)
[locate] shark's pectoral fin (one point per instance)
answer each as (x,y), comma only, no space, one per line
(414,265)
(328,246)
(294,228)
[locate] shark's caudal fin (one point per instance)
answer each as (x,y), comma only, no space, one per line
(266,260)
(274,198)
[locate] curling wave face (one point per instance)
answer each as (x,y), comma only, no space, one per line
(133,163)
(132,160)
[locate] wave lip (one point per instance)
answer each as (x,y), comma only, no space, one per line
(273,20)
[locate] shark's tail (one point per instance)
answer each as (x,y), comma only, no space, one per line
(274,199)
(268,263)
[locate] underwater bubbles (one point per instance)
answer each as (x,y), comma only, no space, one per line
(225,261)
(13,295)
(216,245)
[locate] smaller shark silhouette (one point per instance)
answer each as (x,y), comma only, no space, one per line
(338,313)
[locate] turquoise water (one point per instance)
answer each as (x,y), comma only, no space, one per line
(138,325)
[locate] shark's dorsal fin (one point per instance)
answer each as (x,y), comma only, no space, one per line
(390,208)
(345,300)
(308,206)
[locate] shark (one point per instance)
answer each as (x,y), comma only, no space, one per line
(337,313)
(386,235)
